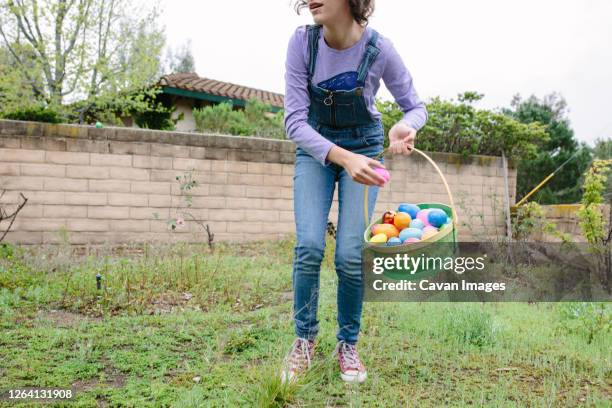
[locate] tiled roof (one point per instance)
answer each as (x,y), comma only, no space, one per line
(190,81)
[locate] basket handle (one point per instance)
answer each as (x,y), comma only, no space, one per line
(433,163)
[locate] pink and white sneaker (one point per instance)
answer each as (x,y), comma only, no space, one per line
(298,360)
(351,367)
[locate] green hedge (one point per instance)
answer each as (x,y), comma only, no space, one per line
(458,127)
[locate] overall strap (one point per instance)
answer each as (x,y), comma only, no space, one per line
(313,47)
(369,56)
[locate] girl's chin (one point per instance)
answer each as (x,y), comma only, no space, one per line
(318,19)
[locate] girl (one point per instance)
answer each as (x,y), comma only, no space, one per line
(333,70)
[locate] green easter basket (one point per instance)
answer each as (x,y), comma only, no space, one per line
(446,237)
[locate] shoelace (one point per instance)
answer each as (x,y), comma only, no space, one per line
(348,354)
(300,348)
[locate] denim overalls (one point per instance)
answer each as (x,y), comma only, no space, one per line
(343,118)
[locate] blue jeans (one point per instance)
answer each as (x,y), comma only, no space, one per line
(314,186)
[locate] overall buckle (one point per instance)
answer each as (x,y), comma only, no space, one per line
(329,99)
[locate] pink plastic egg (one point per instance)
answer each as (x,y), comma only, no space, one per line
(423,215)
(384,173)
(428,233)
(429,229)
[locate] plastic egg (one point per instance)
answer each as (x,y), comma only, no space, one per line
(402,220)
(384,173)
(411,209)
(410,233)
(409,240)
(429,232)
(379,238)
(430,228)
(437,217)
(388,229)
(423,215)
(394,241)
(416,223)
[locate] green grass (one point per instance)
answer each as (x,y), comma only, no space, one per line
(178,326)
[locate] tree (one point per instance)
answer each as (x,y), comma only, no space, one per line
(181,60)
(603,149)
(560,147)
(15,89)
(102,51)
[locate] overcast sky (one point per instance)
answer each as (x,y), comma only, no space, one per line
(498,48)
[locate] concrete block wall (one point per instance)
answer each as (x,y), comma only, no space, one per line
(107,185)
(565,218)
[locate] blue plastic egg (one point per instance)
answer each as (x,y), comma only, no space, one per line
(410,233)
(416,223)
(437,217)
(411,209)
(393,241)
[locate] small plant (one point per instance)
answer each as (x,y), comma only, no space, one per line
(586,319)
(239,342)
(181,212)
(592,220)
(530,223)
(242,340)
(272,393)
(595,228)
(472,326)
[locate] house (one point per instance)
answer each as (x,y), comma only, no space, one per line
(187,91)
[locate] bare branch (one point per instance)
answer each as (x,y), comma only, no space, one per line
(83,11)
(29,35)
(38,44)
(12,216)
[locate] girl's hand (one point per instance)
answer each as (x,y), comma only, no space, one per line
(361,169)
(401,138)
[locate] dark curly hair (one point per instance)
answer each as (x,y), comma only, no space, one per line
(361,9)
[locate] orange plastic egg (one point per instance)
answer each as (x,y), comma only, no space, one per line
(388,229)
(401,220)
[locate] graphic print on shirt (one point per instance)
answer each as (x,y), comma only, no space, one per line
(341,82)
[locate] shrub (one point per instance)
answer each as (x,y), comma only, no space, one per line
(254,120)
(36,114)
(458,127)
(158,117)
(530,223)
(592,219)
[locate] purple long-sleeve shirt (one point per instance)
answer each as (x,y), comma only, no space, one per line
(330,62)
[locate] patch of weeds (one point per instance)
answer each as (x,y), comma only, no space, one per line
(272,393)
(585,319)
(471,325)
(242,340)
